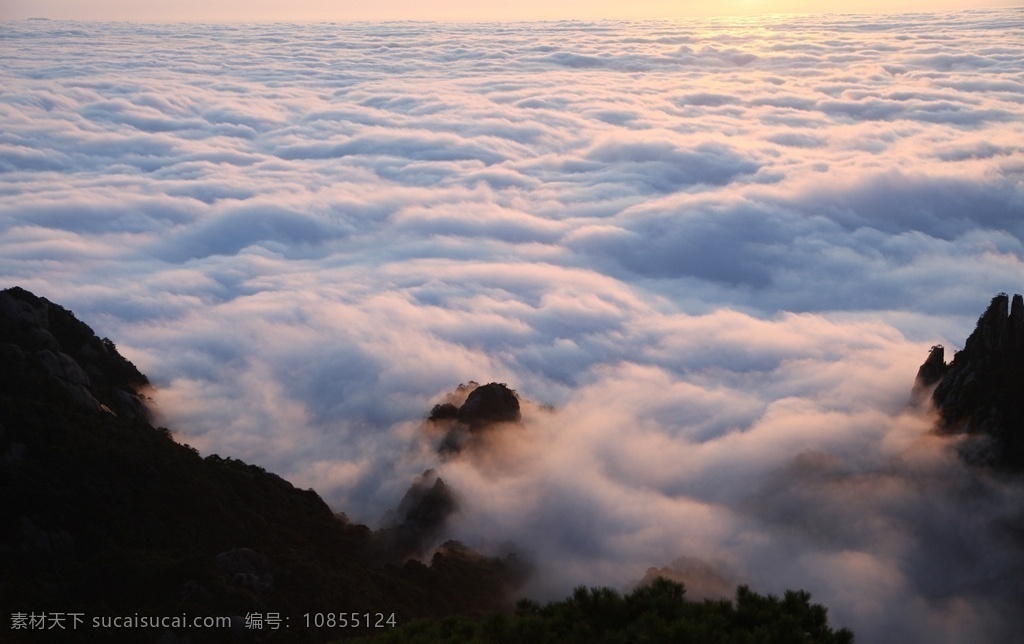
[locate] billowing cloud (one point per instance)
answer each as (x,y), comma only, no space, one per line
(717,250)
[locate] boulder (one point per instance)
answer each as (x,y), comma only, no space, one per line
(489,404)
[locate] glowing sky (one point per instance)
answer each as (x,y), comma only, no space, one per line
(448,10)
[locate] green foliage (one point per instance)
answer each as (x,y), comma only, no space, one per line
(658,612)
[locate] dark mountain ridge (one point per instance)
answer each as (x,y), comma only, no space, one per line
(106,515)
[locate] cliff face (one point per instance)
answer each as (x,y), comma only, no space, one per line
(980,393)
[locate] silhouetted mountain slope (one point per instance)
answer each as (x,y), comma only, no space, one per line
(980,393)
(106,515)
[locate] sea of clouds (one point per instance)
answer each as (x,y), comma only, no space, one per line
(719,249)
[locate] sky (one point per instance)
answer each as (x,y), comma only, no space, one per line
(709,255)
(449,10)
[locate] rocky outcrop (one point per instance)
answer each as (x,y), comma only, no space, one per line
(928,375)
(489,404)
(980,393)
(418,524)
(427,504)
(88,369)
(471,410)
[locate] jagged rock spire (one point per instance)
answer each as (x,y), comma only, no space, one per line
(980,393)
(928,375)
(1000,328)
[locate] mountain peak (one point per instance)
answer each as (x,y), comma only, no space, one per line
(470,411)
(1000,328)
(980,393)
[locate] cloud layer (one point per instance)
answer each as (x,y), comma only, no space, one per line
(719,249)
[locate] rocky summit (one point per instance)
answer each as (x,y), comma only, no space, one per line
(980,393)
(489,404)
(470,411)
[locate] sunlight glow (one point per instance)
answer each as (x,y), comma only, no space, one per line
(450,10)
